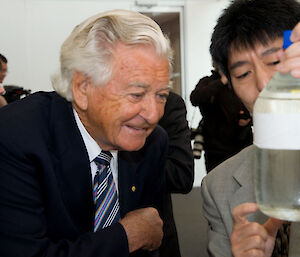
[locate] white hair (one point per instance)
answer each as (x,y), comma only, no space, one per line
(89,48)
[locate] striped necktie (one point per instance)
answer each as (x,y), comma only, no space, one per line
(105,193)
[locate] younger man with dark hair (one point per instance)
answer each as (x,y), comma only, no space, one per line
(247,45)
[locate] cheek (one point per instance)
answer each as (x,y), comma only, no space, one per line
(130,109)
(110,107)
(103,112)
(248,97)
(119,114)
(243,92)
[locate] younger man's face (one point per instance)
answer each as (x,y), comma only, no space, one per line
(251,69)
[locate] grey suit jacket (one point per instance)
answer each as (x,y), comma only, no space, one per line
(227,186)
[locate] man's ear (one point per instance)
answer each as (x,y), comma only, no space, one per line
(80,83)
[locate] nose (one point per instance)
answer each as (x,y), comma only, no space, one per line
(263,76)
(151,110)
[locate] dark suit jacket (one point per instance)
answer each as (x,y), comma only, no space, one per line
(179,168)
(46,203)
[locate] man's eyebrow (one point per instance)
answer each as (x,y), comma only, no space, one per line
(237,64)
(270,51)
(139,84)
(166,87)
(146,86)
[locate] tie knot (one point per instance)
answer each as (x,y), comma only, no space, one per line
(104,158)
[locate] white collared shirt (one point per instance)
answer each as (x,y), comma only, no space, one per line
(94,150)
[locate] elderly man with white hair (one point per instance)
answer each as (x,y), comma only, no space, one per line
(82,168)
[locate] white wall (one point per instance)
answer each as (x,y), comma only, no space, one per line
(13,40)
(200,19)
(32,32)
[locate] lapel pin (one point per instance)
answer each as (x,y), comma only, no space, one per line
(133,188)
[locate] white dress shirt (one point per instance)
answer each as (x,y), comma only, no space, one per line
(94,150)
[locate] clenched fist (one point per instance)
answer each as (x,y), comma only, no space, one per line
(143,228)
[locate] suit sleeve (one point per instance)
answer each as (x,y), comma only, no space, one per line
(23,216)
(180,160)
(218,240)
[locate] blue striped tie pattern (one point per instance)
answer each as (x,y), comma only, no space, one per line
(105,193)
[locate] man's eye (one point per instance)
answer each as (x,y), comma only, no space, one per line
(274,63)
(162,97)
(137,96)
(243,75)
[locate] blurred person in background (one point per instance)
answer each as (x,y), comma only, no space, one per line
(3,72)
(226,123)
(179,168)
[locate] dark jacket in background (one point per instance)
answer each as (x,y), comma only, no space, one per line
(179,167)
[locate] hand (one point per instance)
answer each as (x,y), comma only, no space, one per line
(290,58)
(251,238)
(143,228)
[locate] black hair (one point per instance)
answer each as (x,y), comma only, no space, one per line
(3,58)
(247,22)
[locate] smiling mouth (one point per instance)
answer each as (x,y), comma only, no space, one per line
(138,130)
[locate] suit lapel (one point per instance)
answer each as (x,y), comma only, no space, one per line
(74,176)
(244,177)
(244,192)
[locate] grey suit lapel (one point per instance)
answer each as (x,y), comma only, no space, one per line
(244,192)
(244,177)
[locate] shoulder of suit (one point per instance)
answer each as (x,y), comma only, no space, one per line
(31,114)
(224,172)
